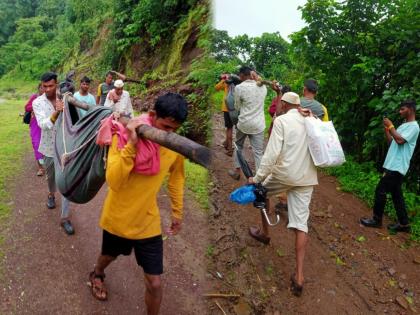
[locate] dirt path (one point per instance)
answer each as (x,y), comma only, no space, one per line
(45,272)
(343,275)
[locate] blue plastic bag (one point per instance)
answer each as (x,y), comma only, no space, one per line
(243,195)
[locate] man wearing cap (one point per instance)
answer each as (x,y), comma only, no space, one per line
(106,86)
(310,88)
(287,166)
(119,100)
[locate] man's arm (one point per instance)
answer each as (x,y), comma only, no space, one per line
(119,75)
(237,96)
(220,86)
(108,101)
(119,164)
(273,150)
(28,106)
(176,194)
(98,94)
(176,187)
(393,133)
(388,135)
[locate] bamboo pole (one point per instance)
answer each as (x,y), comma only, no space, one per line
(188,148)
(195,152)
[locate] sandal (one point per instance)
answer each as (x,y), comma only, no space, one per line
(40,172)
(97,285)
(256,234)
(295,288)
(281,206)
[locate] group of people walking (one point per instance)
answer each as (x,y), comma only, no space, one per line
(285,166)
(129,220)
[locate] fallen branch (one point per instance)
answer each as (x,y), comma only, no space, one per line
(248,297)
(223,295)
(220,307)
(388,237)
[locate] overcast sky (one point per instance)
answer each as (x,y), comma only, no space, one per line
(254,17)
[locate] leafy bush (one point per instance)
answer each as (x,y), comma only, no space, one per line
(365,56)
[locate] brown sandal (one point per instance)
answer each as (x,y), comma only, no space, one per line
(295,288)
(98,288)
(256,234)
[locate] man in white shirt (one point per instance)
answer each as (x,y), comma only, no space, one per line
(119,100)
(287,166)
(249,101)
(47,108)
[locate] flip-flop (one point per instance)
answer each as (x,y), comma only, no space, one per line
(255,233)
(98,290)
(295,288)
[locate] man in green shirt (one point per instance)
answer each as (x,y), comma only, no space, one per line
(402,144)
(310,88)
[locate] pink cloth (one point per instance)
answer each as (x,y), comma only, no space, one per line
(34,129)
(147,161)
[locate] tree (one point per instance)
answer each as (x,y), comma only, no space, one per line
(270,55)
(222,47)
(368,54)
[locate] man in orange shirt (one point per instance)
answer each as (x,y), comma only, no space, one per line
(223,85)
(130,216)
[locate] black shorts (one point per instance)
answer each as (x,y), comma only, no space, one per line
(148,251)
(228,121)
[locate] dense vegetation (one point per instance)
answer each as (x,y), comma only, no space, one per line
(50,34)
(365,55)
(151,41)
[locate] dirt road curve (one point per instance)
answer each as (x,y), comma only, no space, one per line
(45,272)
(345,272)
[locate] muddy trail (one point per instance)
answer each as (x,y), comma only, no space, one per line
(44,271)
(348,269)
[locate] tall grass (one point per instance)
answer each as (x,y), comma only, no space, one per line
(14,141)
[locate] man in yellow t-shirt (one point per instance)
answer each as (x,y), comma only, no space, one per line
(224,86)
(130,216)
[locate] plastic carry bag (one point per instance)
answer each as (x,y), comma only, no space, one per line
(230,104)
(243,195)
(324,145)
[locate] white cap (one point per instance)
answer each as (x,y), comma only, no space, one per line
(291,98)
(119,84)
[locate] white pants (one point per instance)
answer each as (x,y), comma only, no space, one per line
(298,200)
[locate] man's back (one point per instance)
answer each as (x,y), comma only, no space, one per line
(249,100)
(313,105)
(287,156)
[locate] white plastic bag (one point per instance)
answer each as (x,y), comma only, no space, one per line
(324,145)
